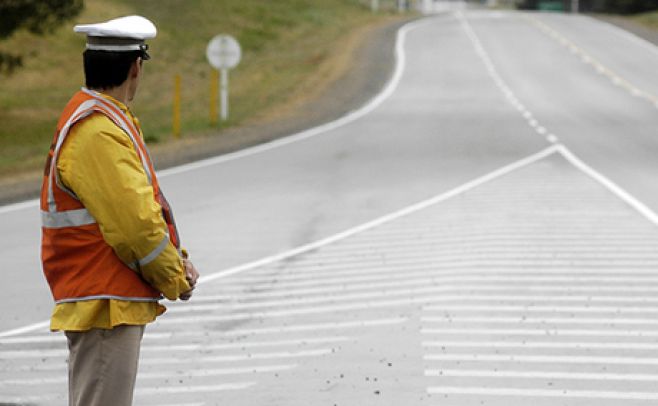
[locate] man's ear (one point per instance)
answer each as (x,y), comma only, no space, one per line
(135,68)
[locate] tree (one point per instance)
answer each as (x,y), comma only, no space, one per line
(36,16)
(630,6)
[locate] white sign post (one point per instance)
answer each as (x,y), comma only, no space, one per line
(224,53)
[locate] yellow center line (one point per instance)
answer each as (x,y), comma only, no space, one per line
(595,63)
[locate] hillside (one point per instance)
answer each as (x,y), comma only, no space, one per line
(291,50)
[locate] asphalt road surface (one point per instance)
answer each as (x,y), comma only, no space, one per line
(483,232)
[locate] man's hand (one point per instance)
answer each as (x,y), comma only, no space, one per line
(192,276)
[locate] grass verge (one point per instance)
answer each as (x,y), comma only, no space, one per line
(649,20)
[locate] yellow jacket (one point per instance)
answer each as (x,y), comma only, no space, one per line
(99,163)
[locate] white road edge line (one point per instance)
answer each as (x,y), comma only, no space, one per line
(649,46)
(400,66)
(25,329)
(640,207)
(388,90)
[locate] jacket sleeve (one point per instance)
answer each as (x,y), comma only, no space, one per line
(99,163)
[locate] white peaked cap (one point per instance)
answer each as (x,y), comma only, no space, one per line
(125,27)
(120,34)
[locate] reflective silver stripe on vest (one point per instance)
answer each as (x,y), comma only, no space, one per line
(69,218)
(113,297)
(81,112)
(153,254)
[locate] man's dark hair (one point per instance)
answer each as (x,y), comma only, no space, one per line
(106,69)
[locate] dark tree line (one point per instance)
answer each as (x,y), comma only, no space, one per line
(629,6)
(37,16)
(600,6)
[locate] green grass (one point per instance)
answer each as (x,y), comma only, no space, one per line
(649,20)
(287,46)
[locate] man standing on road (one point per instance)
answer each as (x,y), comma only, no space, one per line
(110,247)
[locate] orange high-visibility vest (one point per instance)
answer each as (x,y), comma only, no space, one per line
(77,262)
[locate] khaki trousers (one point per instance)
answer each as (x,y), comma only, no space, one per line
(103,365)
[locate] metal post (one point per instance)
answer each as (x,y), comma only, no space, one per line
(224,94)
(214,88)
(374,5)
(401,6)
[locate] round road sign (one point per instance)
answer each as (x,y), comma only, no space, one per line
(223,52)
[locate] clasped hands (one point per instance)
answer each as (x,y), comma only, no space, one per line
(192,276)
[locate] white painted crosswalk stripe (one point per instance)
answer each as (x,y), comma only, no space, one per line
(539,393)
(552,359)
(160,375)
(497,373)
(543,331)
(195,388)
(168,335)
(570,345)
(528,320)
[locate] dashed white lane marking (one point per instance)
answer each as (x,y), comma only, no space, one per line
(552,138)
(504,88)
